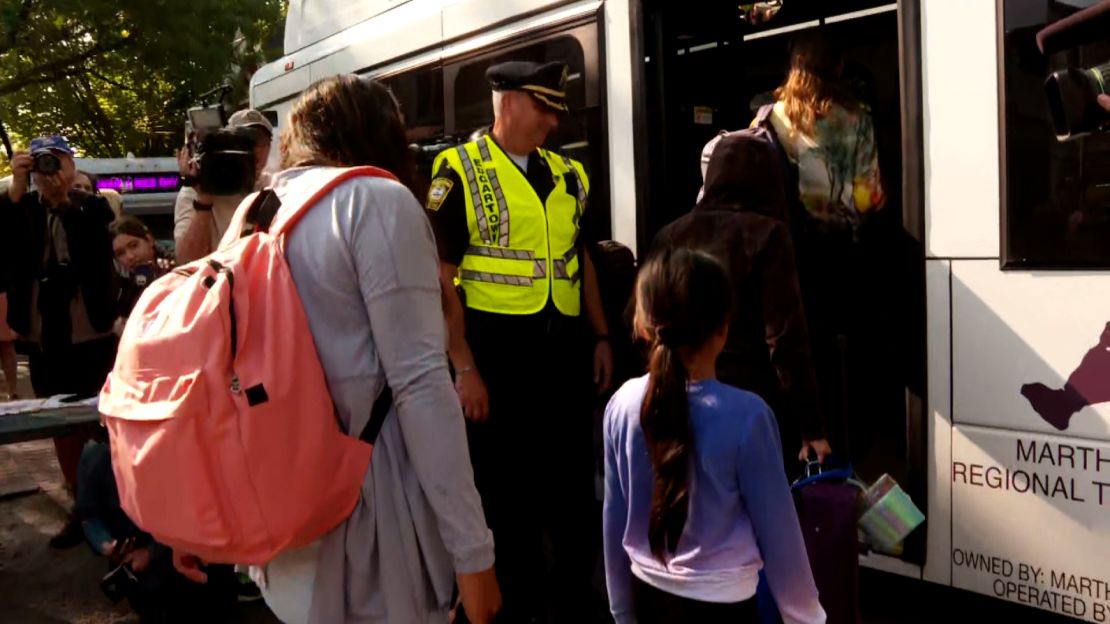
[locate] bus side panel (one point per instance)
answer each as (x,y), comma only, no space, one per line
(1028,529)
(1018,337)
(288,84)
(402,31)
(1030,463)
(938,274)
(282,111)
(310,21)
(960,87)
(467,16)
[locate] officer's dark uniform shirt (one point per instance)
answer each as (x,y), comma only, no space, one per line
(448,215)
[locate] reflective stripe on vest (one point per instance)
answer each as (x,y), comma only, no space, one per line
(499,195)
(581,190)
(496,252)
(522,252)
(559,266)
(475,198)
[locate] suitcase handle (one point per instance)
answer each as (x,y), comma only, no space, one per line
(846,474)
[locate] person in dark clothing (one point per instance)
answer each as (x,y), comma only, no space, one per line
(141,261)
(7,339)
(740,220)
(62,284)
(524,316)
(148,580)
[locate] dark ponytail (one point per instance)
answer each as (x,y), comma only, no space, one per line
(682,300)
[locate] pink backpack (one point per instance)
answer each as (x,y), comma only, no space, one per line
(224,437)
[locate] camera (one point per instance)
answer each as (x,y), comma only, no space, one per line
(46,164)
(225,161)
(1073,100)
(1072,93)
(224,156)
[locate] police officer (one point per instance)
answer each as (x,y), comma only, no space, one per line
(524,314)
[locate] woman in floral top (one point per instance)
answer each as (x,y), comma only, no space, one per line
(841,243)
(829,136)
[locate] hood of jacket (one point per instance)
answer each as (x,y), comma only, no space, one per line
(745,175)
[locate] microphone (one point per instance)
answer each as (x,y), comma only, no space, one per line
(1077,29)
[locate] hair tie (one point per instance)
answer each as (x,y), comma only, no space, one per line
(668,336)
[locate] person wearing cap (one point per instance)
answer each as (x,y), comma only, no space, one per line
(524,319)
(62,284)
(200,219)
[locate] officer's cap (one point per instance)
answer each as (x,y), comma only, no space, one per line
(547,82)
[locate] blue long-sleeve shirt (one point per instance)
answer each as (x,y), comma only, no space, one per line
(741,516)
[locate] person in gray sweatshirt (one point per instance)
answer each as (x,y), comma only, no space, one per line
(363,260)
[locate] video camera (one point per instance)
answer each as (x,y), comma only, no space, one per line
(1072,93)
(224,156)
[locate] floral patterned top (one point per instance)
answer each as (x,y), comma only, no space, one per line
(838,169)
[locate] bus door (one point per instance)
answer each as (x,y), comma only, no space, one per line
(709,69)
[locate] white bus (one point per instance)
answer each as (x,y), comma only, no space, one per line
(987,405)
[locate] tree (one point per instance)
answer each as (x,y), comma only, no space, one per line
(116,76)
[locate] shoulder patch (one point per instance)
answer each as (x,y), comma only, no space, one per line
(437,193)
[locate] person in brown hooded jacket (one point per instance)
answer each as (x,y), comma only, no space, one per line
(741,221)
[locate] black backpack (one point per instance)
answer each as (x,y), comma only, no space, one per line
(762,130)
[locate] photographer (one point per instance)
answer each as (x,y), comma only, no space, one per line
(62,288)
(201,215)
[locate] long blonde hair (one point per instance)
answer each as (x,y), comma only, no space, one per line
(813,84)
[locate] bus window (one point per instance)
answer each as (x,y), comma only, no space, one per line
(474,109)
(581,132)
(1056,195)
(420,93)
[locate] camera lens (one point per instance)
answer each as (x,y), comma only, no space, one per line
(1072,100)
(46,164)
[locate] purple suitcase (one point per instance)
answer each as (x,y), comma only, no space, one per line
(827,512)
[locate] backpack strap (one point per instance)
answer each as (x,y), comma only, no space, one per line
(377,415)
(262,212)
(763,115)
(297,204)
(254,214)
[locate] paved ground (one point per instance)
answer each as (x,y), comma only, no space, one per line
(39,585)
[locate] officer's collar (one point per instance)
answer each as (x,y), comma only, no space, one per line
(533,156)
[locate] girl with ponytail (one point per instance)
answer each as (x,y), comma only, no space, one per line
(695,498)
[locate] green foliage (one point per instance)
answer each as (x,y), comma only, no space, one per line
(116,76)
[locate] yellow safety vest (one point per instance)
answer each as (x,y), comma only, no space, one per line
(521,250)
